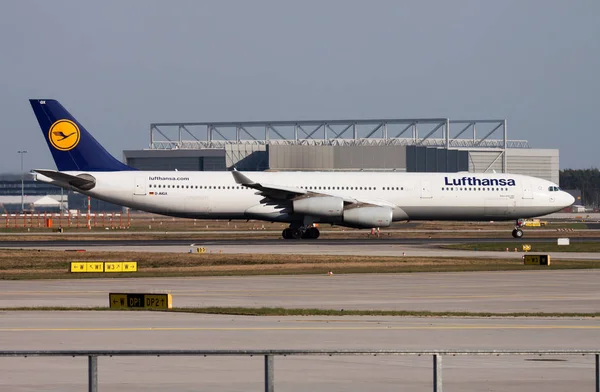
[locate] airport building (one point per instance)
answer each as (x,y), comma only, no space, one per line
(404,145)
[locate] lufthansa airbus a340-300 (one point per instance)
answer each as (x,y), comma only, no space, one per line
(302,199)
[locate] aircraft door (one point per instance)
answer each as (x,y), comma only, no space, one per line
(527,191)
(140,186)
(425,189)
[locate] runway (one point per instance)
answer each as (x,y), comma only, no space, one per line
(498,292)
(122,330)
(382,247)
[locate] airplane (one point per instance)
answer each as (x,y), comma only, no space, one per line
(302,199)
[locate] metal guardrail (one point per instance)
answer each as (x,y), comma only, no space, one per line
(269,358)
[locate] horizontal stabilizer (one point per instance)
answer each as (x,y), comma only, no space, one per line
(82,181)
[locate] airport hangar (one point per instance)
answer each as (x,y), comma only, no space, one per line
(403,145)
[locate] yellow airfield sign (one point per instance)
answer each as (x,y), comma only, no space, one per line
(140,301)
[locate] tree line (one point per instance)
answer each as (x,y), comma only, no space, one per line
(586,180)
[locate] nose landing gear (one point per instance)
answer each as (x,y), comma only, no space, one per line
(517,231)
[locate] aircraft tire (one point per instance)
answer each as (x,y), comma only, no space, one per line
(311,233)
(295,234)
(517,233)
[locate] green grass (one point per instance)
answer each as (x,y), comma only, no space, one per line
(535,247)
(434,265)
(32,264)
(266,311)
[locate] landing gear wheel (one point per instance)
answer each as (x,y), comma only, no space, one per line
(285,234)
(517,233)
(295,234)
(311,233)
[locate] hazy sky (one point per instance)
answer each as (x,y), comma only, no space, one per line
(120,65)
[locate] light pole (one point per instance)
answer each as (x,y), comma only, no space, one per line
(22,152)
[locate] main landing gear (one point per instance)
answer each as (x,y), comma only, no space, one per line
(297,233)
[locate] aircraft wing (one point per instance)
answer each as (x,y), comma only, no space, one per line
(282,193)
(276,192)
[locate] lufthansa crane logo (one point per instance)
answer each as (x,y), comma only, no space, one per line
(64,135)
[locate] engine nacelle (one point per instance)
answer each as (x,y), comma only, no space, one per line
(323,206)
(368,216)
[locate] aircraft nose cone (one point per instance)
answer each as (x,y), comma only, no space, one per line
(569,199)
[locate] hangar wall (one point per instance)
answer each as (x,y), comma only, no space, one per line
(191,160)
(398,158)
(290,157)
(541,163)
(246,157)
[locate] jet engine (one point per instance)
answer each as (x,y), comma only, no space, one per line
(368,216)
(322,206)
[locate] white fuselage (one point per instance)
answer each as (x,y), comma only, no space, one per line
(412,196)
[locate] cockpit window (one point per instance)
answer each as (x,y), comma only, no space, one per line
(553,188)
